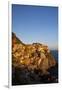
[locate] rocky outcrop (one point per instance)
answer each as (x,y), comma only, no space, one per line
(32,56)
(32,63)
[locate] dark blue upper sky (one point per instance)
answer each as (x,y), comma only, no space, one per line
(36,24)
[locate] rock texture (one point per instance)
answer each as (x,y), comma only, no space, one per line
(32,57)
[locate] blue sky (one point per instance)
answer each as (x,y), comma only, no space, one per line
(36,24)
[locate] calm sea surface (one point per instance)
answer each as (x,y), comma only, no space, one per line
(55,54)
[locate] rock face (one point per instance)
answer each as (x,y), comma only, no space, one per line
(32,56)
(32,63)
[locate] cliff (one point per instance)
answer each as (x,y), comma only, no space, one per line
(32,57)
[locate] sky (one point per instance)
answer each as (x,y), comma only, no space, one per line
(36,24)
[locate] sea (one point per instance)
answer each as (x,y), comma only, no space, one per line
(55,54)
(54,72)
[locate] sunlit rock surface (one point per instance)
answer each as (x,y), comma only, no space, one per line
(28,59)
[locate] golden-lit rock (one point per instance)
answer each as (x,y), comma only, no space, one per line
(34,56)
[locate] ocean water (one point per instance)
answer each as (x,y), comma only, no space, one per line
(55,54)
(54,71)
